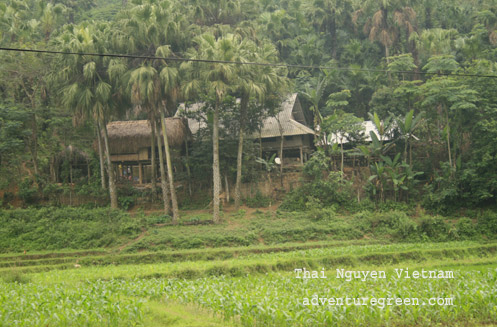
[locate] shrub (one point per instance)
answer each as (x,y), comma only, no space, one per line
(126,202)
(434,228)
(321,214)
(465,228)
(8,197)
(258,201)
(331,191)
(52,192)
(487,223)
(395,223)
(27,192)
(57,228)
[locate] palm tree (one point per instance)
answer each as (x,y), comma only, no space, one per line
(170,83)
(254,81)
(314,93)
(380,28)
(217,79)
(325,13)
(147,90)
(89,91)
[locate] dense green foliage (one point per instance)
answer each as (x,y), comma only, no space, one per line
(436,129)
(78,228)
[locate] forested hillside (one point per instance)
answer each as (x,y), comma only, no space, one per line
(424,72)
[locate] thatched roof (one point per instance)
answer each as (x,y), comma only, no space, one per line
(130,136)
(292,120)
(291,117)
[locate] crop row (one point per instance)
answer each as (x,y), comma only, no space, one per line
(105,258)
(61,305)
(274,299)
(243,266)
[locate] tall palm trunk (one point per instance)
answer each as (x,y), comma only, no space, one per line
(281,150)
(153,159)
(110,170)
(174,200)
(452,165)
(101,159)
(34,146)
(163,182)
(215,163)
(239,157)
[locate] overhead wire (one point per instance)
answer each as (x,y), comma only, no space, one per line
(116,55)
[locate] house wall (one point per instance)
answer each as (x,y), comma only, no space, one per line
(295,141)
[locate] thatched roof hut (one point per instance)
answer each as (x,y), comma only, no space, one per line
(127,137)
(292,119)
(292,123)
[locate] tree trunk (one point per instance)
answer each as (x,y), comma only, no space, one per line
(153,159)
(89,170)
(163,182)
(52,169)
(227,188)
(101,159)
(448,137)
(110,170)
(188,172)
(215,163)
(174,200)
(341,152)
(281,151)
(260,143)
(239,157)
(34,146)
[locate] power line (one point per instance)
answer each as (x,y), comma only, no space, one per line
(115,55)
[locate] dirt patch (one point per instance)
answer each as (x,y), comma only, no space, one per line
(142,235)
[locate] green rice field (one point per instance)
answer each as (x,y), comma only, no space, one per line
(253,286)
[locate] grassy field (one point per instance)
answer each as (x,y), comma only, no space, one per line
(255,287)
(207,275)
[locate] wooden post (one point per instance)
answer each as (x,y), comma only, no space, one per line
(140,172)
(301,156)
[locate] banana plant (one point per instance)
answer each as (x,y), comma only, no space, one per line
(406,128)
(378,179)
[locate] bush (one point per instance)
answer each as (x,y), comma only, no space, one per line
(7,198)
(331,191)
(321,214)
(58,228)
(395,223)
(27,192)
(315,210)
(434,228)
(258,201)
(465,228)
(487,223)
(52,192)
(126,202)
